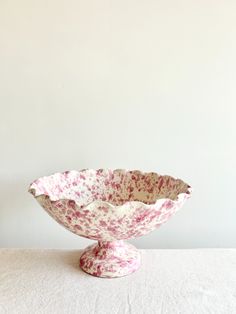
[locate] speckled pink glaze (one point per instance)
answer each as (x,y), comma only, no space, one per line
(109,205)
(110,259)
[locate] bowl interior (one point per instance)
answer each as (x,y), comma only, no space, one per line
(114,186)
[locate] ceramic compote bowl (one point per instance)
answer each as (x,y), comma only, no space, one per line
(110,206)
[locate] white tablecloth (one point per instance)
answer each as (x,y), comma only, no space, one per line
(169,281)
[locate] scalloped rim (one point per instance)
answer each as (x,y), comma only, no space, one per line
(180,196)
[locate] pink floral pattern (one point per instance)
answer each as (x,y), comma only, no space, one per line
(110,205)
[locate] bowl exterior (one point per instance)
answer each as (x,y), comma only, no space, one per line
(104,222)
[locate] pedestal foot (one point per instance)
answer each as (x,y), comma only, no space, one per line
(110,259)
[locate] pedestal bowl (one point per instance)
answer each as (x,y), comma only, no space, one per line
(110,206)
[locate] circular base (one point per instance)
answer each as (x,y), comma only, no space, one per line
(110,259)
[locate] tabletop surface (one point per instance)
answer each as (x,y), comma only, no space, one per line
(169,281)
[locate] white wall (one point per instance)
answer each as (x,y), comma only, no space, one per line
(131,84)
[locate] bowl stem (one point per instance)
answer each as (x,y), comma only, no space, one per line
(110,259)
